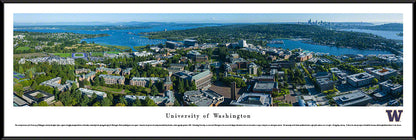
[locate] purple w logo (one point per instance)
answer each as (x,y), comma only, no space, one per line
(394,115)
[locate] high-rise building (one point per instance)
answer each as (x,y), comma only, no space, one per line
(242,44)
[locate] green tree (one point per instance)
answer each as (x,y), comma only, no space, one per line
(176,103)
(122,100)
(30,73)
(65,98)
(39,95)
(149,84)
(42,103)
(34,85)
(82,83)
(106,102)
(110,96)
(120,104)
(193,86)
(18,88)
(259,72)
(101,81)
(154,91)
(21,69)
(334,78)
(84,100)
(149,102)
(181,88)
(187,87)
(55,91)
(137,102)
(374,81)
(97,103)
(214,77)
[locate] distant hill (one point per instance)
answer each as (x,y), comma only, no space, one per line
(257,34)
(385,27)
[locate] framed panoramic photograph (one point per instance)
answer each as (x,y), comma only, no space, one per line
(208,70)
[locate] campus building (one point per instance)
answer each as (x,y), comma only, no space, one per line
(322,75)
(143,81)
(359,79)
(173,68)
(108,70)
(167,100)
(304,56)
(50,60)
(151,62)
(325,84)
(238,63)
(202,98)
(253,99)
(89,93)
(202,79)
(56,83)
(126,71)
(357,98)
(18,101)
(190,42)
(83,70)
(196,56)
(252,68)
(172,45)
(38,96)
(282,64)
(264,78)
(111,79)
(389,87)
(265,87)
(89,76)
(242,44)
(168,84)
(384,74)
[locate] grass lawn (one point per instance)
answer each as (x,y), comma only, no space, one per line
(97,54)
(118,47)
(114,52)
(23,48)
(78,54)
(29,55)
(139,47)
(63,54)
(104,89)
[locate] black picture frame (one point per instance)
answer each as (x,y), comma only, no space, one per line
(197,1)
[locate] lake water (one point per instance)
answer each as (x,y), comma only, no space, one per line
(385,34)
(291,44)
(123,38)
(119,37)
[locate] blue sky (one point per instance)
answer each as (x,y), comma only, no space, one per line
(205,17)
